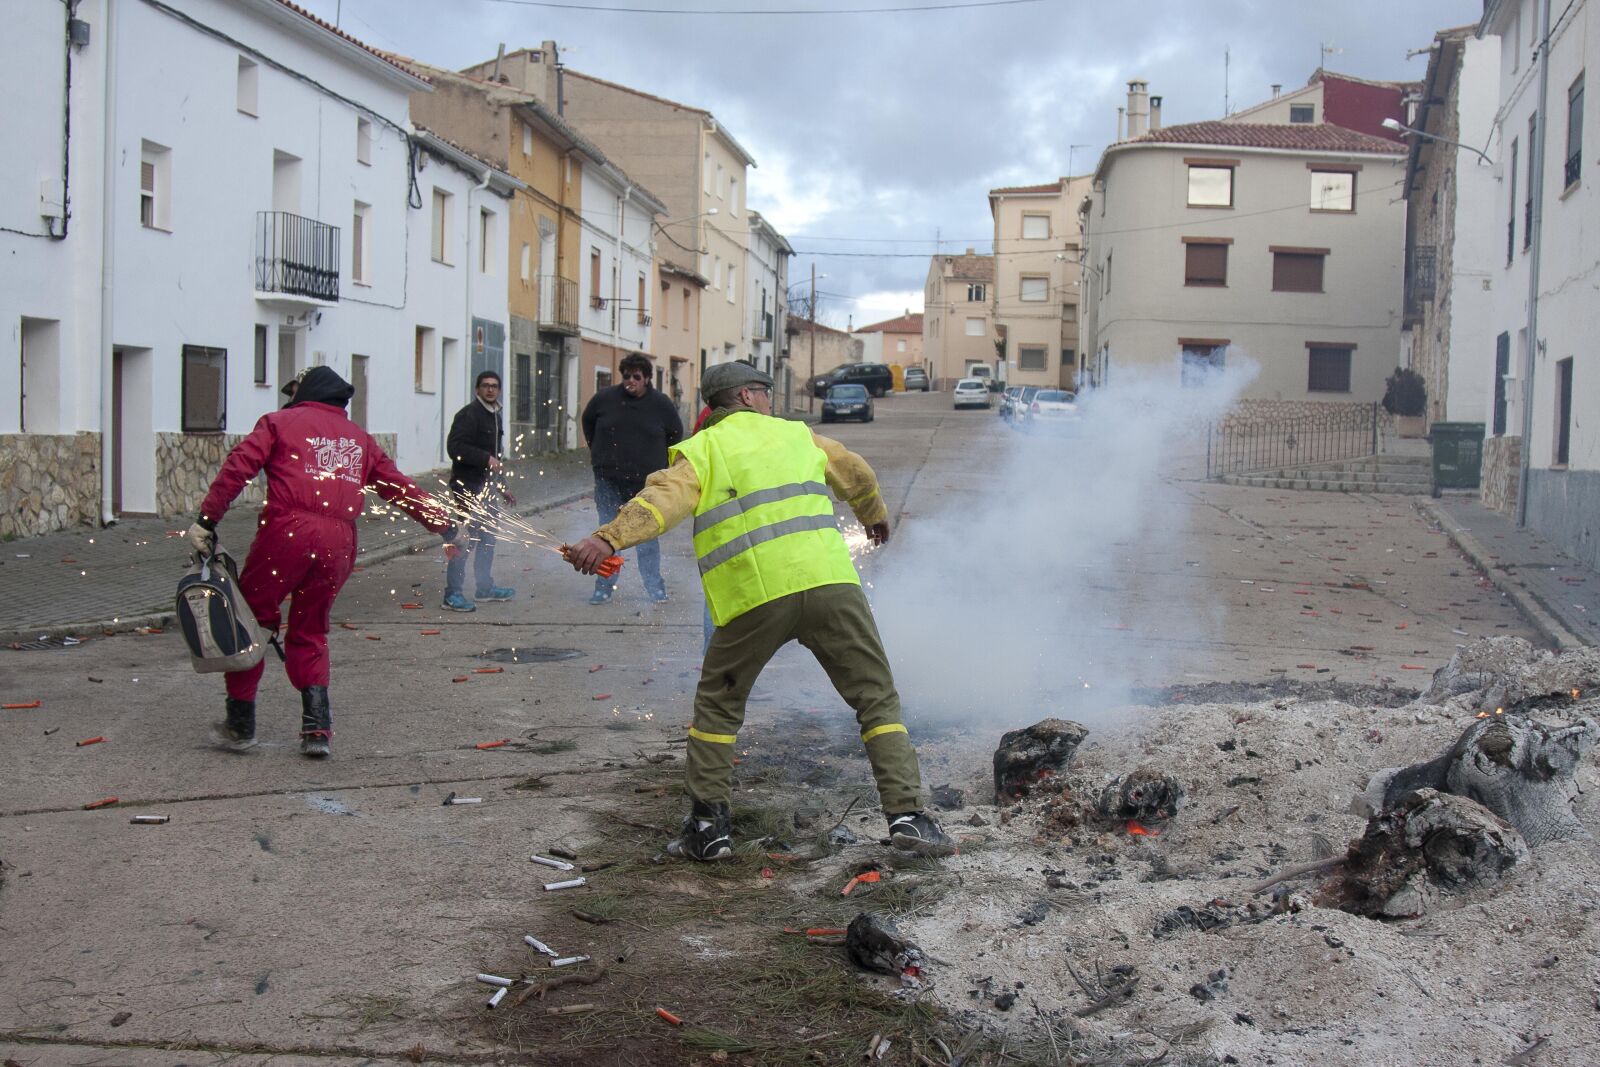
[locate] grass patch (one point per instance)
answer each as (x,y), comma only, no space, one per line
(550,748)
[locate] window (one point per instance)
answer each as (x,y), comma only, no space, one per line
(1527,204)
(1502,370)
(975,327)
(358,381)
(260,364)
(360,246)
(1206,261)
(1574,169)
(1035,289)
(526,269)
(527,140)
(716,272)
(1032,357)
(733,273)
(644,315)
(1333,190)
(1211,184)
(441,226)
(733,197)
(1035,227)
(244,96)
(364,142)
(977,292)
(1511,211)
(1202,358)
(686,308)
(1299,113)
(900,345)
(1328,368)
(426,365)
(485,241)
(1297,270)
(706,170)
(721,181)
(205,389)
(155,181)
(1067,356)
(596,300)
(1563,411)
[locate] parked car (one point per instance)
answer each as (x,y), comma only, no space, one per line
(1018,414)
(1052,409)
(916,379)
(1008,401)
(874,376)
(972,393)
(847,402)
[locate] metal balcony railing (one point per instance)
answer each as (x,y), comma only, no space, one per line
(761,326)
(1421,278)
(1527,222)
(558,303)
(1574,168)
(297,256)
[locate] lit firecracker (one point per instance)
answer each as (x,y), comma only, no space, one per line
(857,541)
(1139,830)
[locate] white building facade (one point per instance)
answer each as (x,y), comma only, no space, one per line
(245,199)
(766,274)
(617,286)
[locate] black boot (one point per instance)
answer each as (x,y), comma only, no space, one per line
(237,732)
(316,721)
(707,834)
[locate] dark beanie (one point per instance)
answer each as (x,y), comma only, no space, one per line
(322,385)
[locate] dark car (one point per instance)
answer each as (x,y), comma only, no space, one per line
(875,376)
(847,402)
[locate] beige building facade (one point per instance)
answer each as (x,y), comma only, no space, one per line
(1037,278)
(957,319)
(675,339)
(681,153)
(1210,243)
(896,341)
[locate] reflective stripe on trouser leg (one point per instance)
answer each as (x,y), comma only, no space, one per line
(837,626)
(733,662)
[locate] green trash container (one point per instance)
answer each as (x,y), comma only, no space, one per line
(1457,454)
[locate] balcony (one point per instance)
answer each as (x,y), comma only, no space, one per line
(1574,169)
(761,326)
(1421,279)
(558,303)
(297,257)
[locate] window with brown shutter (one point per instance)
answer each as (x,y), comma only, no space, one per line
(1205,263)
(1328,368)
(1297,270)
(205,389)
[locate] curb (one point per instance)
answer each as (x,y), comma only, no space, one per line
(1548,625)
(399,546)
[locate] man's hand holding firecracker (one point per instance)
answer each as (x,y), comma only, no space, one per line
(592,555)
(455,541)
(878,533)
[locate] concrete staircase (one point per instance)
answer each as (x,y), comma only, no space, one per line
(1376,474)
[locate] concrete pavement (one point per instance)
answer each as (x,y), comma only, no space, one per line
(298,912)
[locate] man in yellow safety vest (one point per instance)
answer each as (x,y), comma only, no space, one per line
(775,570)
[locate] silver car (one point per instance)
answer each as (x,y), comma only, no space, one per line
(972,393)
(1053,409)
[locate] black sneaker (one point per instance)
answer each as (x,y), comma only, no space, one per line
(316,722)
(707,834)
(916,832)
(237,733)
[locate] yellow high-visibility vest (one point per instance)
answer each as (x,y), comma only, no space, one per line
(764,526)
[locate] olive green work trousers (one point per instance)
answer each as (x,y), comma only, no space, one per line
(835,623)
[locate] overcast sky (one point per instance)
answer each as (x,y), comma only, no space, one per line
(873,133)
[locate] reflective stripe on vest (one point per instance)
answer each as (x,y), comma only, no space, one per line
(722,512)
(746,541)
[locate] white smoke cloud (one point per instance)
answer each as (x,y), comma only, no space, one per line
(1037,582)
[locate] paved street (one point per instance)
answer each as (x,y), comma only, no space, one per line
(299,912)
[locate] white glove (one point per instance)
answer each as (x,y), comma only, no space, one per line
(202,539)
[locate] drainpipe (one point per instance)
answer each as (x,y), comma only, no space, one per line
(1537,193)
(444,393)
(108,227)
(616,304)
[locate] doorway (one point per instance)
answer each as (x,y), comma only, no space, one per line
(358,399)
(133,438)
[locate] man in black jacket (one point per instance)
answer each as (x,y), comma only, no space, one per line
(629,428)
(476,484)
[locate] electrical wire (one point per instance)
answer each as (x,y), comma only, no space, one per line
(898,9)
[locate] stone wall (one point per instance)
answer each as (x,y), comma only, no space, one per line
(1502,468)
(48,482)
(187,462)
(1327,415)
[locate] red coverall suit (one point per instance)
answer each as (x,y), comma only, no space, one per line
(317,462)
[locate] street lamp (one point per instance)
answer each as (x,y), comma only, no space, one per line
(1396,126)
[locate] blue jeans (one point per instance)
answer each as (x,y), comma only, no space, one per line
(609,496)
(480,543)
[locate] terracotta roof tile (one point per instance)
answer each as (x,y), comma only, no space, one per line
(970,268)
(903,324)
(802,325)
(337,32)
(1320,137)
(1048,187)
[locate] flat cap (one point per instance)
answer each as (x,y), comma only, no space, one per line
(734,375)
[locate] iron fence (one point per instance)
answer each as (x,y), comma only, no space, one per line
(296,255)
(1241,447)
(558,302)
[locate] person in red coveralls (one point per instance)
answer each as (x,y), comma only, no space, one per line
(317,463)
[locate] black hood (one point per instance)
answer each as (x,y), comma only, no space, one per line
(322,385)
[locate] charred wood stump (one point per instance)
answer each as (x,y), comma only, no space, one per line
(1425,847)
(1037,753)
(1522,771)
(1142,795)
(876,944)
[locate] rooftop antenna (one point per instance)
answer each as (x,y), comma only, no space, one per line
(1227,61)
(1324,51)
(1071,148)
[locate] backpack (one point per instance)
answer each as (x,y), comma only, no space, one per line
(216,622)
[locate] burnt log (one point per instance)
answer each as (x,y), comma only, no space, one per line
(1523,771)
(1034,754)
(876,944)
(1427,846)
(1142,795)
